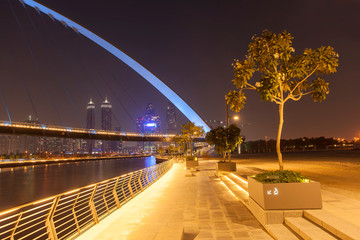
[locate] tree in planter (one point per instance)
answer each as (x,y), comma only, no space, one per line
(224,139)
(181,142)
(188,133)
(283,75)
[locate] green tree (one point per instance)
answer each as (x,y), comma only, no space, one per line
(171,150)
(224,139)
(190,131)
(161,150)
(283,75)
(181,141)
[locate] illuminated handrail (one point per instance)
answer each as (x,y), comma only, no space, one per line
(66,215)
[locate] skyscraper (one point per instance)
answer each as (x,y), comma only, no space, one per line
(171,125)
(90,123)
(106,122)
(150,123)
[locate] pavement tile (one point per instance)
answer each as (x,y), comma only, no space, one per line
(201,204)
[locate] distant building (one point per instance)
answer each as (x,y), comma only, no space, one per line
(150,122)
(90,123)
(171,125)
(106,116)
(31,144)
(118,145)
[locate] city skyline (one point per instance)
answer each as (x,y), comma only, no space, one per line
(202,43)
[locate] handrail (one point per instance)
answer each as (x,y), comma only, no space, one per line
(66,215)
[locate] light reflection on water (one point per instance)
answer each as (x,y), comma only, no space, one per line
(26,184)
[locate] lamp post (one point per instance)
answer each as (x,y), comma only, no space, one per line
(227,121)
(227,115)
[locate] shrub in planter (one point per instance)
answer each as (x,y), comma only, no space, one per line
(284,190)
(278,176)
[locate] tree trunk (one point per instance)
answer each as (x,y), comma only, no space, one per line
(281,122)
(191,148)
(229,156)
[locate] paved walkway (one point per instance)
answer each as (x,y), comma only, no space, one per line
(201,205)
(342,207)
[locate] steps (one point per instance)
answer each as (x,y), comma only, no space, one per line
(307,224)
(280,232)
(337,226)
(307,230)
(238,186)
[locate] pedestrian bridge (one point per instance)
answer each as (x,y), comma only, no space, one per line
(45,130)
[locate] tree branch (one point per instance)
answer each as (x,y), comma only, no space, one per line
(298,96)
(277,101)
(298,84)
(251,86)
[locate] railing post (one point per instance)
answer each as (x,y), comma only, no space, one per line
(139,179)
(129,186)
(51,230)
(147,177)
(73,210)
(92,206)
(152,174)
(115,194)
(17,223)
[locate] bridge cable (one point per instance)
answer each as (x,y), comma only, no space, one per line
(35,61)
(3,96)
(58,47)
(21,76)
(119,100)
(115,95)
(55,67)
(126,92)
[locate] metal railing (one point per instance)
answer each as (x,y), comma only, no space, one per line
(66,215)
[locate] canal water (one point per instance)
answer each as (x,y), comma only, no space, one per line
(21,185)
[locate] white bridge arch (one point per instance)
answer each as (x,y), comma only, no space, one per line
(137,67)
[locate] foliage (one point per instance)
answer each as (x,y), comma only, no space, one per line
(278,176)
(297,144)
(161,150)
(182,142)
(283,75)
(188,132)
(172,149)
(224,139)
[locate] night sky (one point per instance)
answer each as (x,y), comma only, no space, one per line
(190,45)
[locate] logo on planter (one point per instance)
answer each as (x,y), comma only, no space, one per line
(275,192)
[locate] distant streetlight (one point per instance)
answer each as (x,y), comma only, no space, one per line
(227,115)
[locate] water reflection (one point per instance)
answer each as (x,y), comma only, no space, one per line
(26,184)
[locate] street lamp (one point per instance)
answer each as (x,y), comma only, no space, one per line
(227,115)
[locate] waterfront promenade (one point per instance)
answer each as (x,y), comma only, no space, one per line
(194,207)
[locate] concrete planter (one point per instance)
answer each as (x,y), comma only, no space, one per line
(285,195)
(191,164)
(226,166)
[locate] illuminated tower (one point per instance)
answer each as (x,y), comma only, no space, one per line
(171,125)
(106,122)
(90,123)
